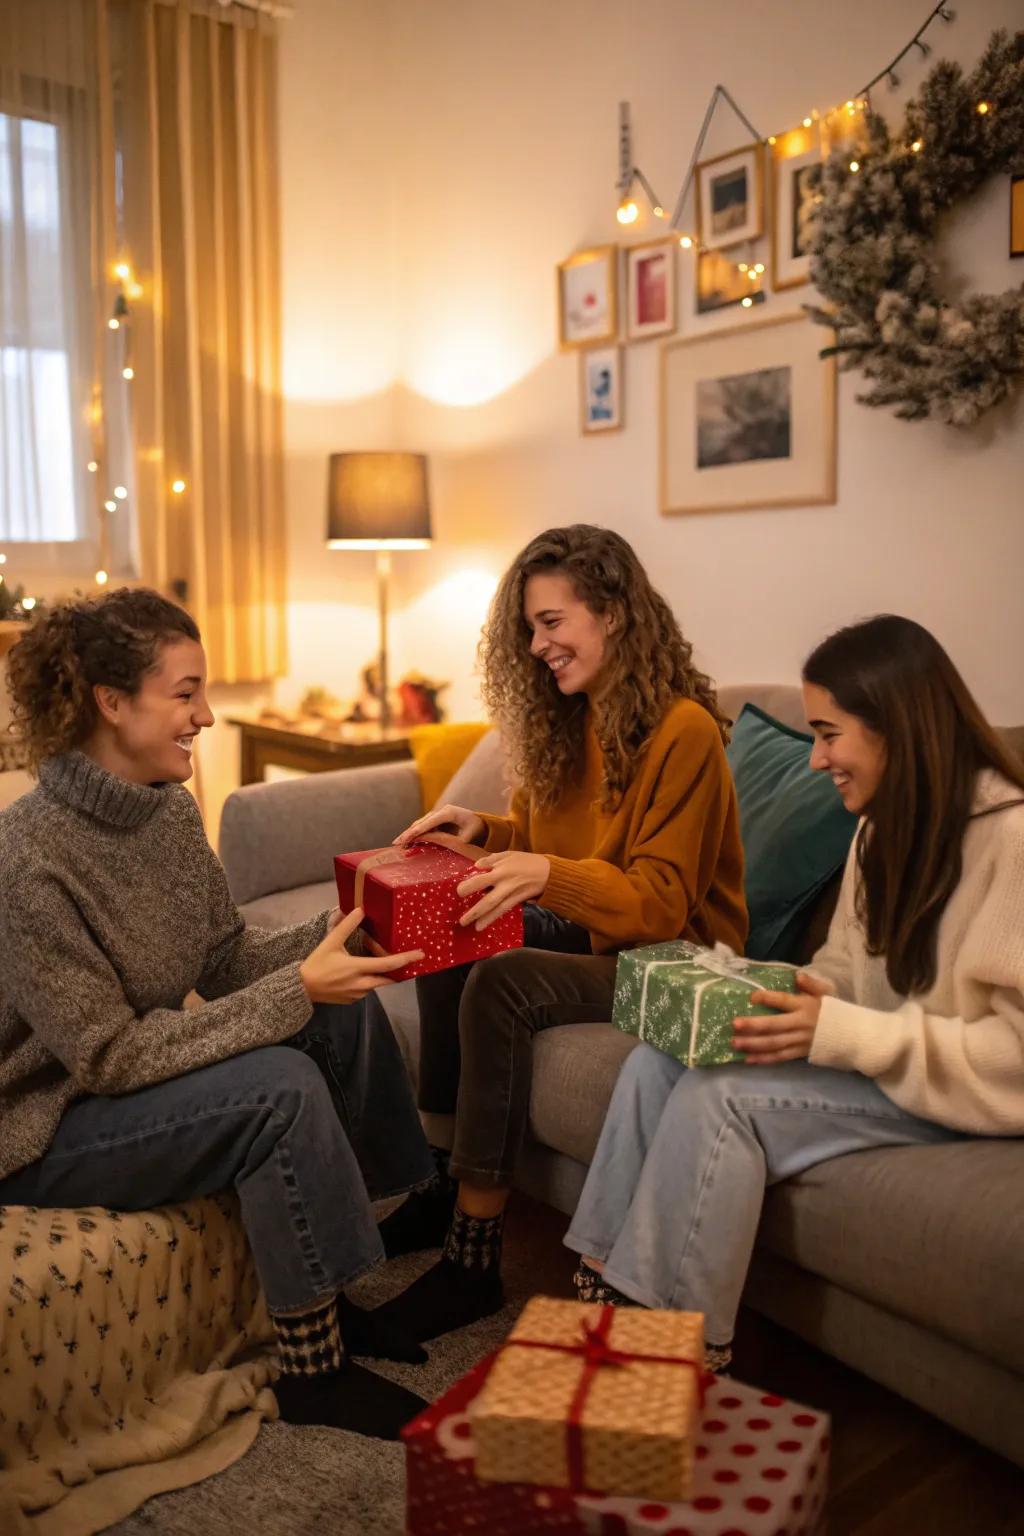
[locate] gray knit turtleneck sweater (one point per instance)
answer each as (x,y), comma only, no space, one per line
(113,907)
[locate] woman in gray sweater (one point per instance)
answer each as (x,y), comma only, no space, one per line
(287,1084)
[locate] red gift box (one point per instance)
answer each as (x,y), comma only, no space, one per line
(761,1468)
(410,900)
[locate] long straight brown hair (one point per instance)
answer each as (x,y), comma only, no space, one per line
(896,678)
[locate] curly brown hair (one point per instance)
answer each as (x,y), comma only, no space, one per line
(646,670)
(77,646)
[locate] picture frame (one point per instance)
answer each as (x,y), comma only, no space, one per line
(730,197)
(601,398)
(793,157)
(651,289)
(587,294)
(747,419)
(1017,215)
(719,284)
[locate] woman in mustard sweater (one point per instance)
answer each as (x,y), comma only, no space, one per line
(624,831)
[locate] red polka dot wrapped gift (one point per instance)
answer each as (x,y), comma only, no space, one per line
(411,901)
(760,1468)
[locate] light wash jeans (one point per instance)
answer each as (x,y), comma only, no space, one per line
(308,1133)
(674,1193)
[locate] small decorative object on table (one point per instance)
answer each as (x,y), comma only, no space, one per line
(596,1397)
(760,1467)
(411,901)
(684,999)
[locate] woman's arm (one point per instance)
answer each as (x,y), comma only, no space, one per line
(506,834)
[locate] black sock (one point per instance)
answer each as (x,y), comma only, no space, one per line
(462,1287)
(593,1287)
(320,1385)
(422,1219)
(367,1333)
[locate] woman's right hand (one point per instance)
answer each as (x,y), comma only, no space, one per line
(331,975)
(466,824)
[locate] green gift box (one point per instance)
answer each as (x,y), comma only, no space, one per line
(683,999)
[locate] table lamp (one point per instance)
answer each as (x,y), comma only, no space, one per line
(378,501)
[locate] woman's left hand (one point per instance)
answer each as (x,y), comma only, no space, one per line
(507,879)
(786,1035)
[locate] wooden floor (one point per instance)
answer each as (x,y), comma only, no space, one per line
(896,1471)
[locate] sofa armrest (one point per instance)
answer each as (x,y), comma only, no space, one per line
(274,837)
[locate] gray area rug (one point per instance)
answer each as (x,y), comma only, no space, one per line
(297,1481)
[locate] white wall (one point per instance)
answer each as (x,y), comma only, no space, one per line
(438,160)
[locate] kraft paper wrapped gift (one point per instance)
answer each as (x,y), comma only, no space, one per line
(587,1396)
(761,1467)
(411,901)
(683,999)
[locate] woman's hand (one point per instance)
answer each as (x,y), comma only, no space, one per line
(786,1035)
(508,879)
(467,825)
(331,975)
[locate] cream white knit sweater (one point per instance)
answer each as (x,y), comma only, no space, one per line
(954,1055)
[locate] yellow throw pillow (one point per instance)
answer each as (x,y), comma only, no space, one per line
(439,750)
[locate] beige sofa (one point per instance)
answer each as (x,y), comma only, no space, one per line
(905,1263)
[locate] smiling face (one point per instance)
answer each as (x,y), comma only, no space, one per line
(148,737)
(567,636)
(844,747)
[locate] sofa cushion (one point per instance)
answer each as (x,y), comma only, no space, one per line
(574,1071)
(287,907)
(935,1234)
(439,752)
(796,832)
(481,784)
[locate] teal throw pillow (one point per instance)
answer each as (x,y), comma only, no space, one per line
(796,831)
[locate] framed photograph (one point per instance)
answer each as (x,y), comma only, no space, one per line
(792,162)
(651,289)
(721,283)
(587,298)
(730,197)
(1017,215)
(747,419)
(600,390)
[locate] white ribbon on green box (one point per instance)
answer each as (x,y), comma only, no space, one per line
(683,998)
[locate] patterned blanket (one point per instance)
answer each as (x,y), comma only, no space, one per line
(133,1359)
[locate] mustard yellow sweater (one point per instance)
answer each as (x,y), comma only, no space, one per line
(666,864)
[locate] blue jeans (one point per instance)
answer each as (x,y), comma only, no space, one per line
(308,1133)
(674,1194)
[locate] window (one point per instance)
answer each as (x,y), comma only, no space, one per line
(42,437)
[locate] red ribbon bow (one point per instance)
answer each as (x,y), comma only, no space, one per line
(596,1353)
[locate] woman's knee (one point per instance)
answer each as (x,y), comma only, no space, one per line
(282,1075)
(647,1070)
(495,989)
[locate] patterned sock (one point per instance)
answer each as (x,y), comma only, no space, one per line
(474,1242)
(593,1287)
(310,1344)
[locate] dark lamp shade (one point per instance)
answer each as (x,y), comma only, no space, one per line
(378,501)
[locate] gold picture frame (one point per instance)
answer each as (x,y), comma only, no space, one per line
(747,419)
(601,393)
(729,191)
(651,288)
(1017,216)
(586,287)
(793,155)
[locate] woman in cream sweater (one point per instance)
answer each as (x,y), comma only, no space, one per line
(909,1031)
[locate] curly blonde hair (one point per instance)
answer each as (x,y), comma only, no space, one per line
(112,641)
(647,667)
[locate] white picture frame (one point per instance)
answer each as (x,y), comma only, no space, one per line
(747,418)
(587,288)
(730,197)
(795,155)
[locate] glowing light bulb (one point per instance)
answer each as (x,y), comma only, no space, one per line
(685,242)
(752,275)
(659,212)
(855,166)
(128,373)
(110,506)
(917,146)
(747,302)
(759,268)
(807,122)
(177,486)
(3,559)
(984,107)
(114,323)
(742,266)
(123,271)
(135,291)
(102,578)
(120,492)
(627,212)
(771,138)
(28,603)
(92,466)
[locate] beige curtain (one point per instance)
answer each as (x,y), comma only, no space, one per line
(194,119)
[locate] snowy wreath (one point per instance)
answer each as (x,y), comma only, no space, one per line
(870,235)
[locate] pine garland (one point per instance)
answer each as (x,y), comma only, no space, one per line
(871,236)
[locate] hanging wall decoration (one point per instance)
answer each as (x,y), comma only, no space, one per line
(871,239)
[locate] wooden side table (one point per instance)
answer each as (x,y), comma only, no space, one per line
(314,748)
